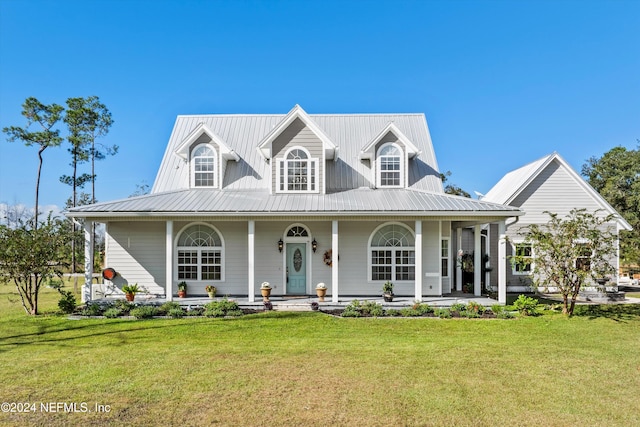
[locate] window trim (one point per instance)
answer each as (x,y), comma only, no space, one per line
(177,249)
(446,257)
(313,172)
(393,249)
(514,248)
(192,166)
(401,171)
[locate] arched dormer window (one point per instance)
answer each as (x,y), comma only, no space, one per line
(297,172)
(390,166)
(203,166)
(392,253)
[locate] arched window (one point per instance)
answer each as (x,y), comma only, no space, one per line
(392,253)
(390,166)
(203,166)
(297,231)
(200,254)
(297,172)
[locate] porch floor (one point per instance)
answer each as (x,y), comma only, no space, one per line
(303,302)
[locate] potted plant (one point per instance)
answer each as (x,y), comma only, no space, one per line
(265,290)
(130,291)
(211,290)
(387,291)
(182,289)
(321,291)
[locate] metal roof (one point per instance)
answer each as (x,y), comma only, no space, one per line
(361,201)
(349,132)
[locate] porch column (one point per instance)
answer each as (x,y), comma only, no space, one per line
(169,261)
(251,261)
(88,261)
(457,259)
(477,260)
(334,261)
(502,263)
(418,267)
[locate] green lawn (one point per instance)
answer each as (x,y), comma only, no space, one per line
(284,369)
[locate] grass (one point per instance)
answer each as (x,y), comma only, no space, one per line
(282,369)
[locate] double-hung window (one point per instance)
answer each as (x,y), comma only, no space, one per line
(297,172)
(523,258)
(203,166)
(390,166)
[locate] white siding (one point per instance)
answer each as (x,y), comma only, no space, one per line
(137,252)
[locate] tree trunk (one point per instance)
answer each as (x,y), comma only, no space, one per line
(35,225)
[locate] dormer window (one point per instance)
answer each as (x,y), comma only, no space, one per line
(203,166)
(390,166)
(297,172)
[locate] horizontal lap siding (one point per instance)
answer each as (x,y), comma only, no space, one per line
(430,259)
(137,252)
(297,134)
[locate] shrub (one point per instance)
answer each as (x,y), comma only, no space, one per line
(475,307)
(497,308)
(67,303)
(92,309)
(393,312)
(504,314)
(123,305)
(459,307)
(196,311)
(410,312)
(176,313)
(443,313)
(112,313)
(222,308)
(372,308)
(143,312)
(168,306)
(423,308)
(353,309)
(526,305)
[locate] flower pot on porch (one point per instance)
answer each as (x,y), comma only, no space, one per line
(387,297)
(266,292)
(182,294)
(211,294)
(130,296)
(321,292)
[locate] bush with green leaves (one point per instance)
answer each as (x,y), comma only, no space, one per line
(92,309)
(143,312)
(527,306)
(222,308)
(475,307)
(353,309)
(168,306)
(123,305)
(443,313)
(176,313)
(422,308)
(410,312)
(112,313)
(372,308)
(459,307)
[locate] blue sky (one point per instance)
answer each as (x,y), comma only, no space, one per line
(502,83)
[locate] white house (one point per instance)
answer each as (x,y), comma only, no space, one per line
(547,184)
(351,200)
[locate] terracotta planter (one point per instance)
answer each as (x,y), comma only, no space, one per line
(130,297)
(182,294)
(321,292)
(266,292)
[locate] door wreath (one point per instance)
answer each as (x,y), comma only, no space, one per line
(327,258)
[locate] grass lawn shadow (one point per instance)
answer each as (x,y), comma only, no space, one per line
(617,312)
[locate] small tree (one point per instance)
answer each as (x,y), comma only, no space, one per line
(569,252)
(32,256)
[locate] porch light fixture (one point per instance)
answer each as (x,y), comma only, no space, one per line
(280,245)
(314,246)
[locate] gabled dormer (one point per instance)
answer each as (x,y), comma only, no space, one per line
(206,155)
(389,153)
(297,149)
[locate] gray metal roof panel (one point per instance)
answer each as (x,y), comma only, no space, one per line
(222,202)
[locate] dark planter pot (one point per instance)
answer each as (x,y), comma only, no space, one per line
(387,297)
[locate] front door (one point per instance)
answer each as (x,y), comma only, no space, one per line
(296,268)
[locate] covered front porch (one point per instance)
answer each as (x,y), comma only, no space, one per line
(419,252)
